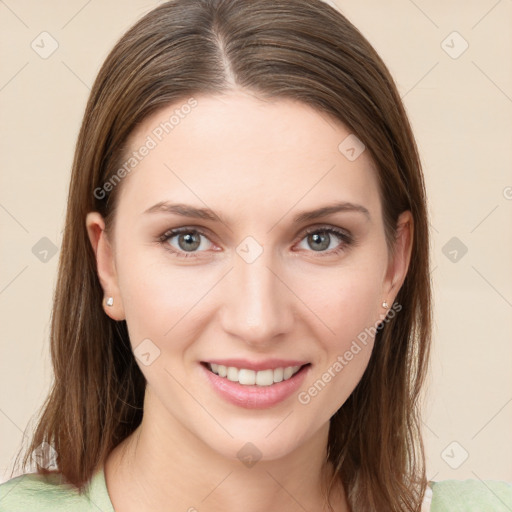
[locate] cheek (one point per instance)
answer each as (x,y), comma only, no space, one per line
(161,299)
(347,304)
(345,301)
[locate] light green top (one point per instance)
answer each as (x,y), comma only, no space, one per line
(34,493)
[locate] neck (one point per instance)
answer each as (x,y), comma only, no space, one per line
(164,467)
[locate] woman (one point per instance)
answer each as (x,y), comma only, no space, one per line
(242,317)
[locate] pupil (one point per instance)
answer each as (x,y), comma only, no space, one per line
(321,239)
(192,241)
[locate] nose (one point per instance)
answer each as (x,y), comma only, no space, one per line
(257,305)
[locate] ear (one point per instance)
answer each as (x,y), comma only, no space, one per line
(400,257)
(105,264)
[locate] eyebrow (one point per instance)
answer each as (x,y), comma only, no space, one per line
(186,210)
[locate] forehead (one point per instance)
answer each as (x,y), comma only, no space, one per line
(240,151)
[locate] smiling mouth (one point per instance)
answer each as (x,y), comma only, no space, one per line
(249,377)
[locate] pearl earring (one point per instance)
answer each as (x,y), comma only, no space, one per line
(110,301)
(385,305)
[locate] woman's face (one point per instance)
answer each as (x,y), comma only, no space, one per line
(281,261)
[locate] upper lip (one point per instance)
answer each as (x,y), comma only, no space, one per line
(267,364)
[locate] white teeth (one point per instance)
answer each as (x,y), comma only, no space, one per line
(278,374)
(232,373)
(287,373)
(247,377)
(251,377)
(265,378)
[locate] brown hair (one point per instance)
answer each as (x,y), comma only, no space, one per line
(295,49)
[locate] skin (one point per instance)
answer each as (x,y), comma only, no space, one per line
(256,164)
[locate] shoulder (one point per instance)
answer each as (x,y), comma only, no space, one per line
(472,495)
(43,493)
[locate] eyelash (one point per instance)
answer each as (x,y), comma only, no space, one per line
(346,239)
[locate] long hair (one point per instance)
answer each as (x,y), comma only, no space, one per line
(303,50)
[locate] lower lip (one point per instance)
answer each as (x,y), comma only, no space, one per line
(255,397)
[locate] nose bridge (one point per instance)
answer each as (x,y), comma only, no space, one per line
(256,308)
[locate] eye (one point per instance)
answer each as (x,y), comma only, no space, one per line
(184,240)
(323,239)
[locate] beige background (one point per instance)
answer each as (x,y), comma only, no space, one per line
(461,110)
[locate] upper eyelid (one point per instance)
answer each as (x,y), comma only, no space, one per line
(324,227)
(172,232)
